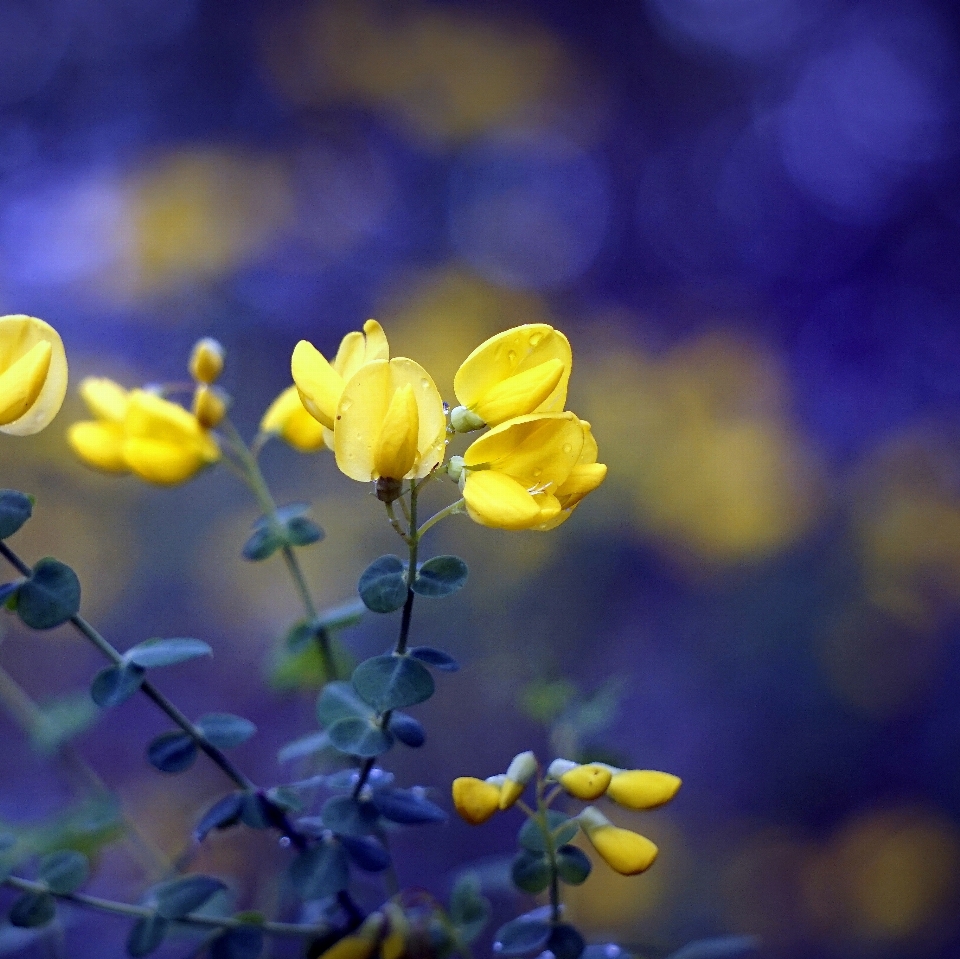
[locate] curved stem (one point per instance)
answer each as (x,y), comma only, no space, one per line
(144,912)
(452,510)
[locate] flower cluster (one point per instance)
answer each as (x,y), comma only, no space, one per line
(33,374)
(141,432)
(385,420)
(625,851)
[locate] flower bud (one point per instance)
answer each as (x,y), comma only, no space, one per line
(642,788)
(585,782)
(455,469)
(206,360)
(209,406)
(475,800)
(464,420)
(626,852)
(522,769)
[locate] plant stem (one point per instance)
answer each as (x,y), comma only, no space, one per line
(551,851)
(144,912)
(452,510)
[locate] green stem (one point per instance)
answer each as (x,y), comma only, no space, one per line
(452,510)
(144,912)
(550,847)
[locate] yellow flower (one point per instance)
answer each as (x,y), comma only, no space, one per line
(625,851)
(33,374)
(512,474)
(522,768)
(362,944)
(390,422)
(206,360)
(209,406)
(642,788)
(321,383)
(585,782)
(475,799)
(99,442)
(584,478)
(288,418)
(520,371)
(162,442)
(140,432)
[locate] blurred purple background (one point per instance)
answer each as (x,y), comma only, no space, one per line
(745,215)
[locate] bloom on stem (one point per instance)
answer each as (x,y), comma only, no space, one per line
(475,799)
(587,782)
(522,768)
(584,478)
(206,360)
(642,788)
(625,851)
(520,371)
(390,422)
(99,442)
(288,418)
(33,374)
(321,383)
(512,474)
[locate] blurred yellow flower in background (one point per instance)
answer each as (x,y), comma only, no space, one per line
(288,418)
(33,374)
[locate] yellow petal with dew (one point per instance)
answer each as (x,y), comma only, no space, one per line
(587,782)
(106,399)
(519,394)
(288,418)
(474,799)
(320,385)
(509,353)
(350,355)
(20,335)
(22,381)
(643,788)
(395,452)
(499,501)
(99,444)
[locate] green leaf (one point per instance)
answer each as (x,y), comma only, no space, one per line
(365,852)
(166,652)
(469,908)
(348,816)
(300,635)
(308,745)
(440,576)
(245,943)
(222,814)
(32,910)
(285,798)
(343,616)
(15,509)
(290,527)
(407,806)
(407,729)
(320,872)
(530,871)
(560,825)
(8,593)
(565,942)
(62,720)
(306,669)
(359,737)
(49,596)
(264,541)
(115,685)
(573,865)
(146,936)
(719,947)
(172,752)
(392,682)
(180,897)
(339,700)
(436,658)
(256,811)
(522,937)
(65,871)
(383,585)
(224,730)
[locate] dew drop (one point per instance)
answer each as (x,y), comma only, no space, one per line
(425,383)
(345,405)
(535,338)
(567,448)
(284,841)
(536,473)
(512,356)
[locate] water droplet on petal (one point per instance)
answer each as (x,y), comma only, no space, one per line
(512,356)
(535,338)
(537,471)
(345,404)
(567,448)
(425,383)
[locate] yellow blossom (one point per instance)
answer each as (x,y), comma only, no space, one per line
(584,478)
(512,473)
(288,418)
(206,360)
(209,406)
(359,945)
(520,371)
(321,383)
(33,374)
(522,768)
(625,851)
(475,799)
(390,422)
(586,782)
(99,442)
(642,788)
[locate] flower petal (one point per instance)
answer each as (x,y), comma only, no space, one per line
(395,452)
(519,394)
(287,417)
(586,782)
(104,398)
(642,788)
(19,335)
(99,444)
(497,500)
(628,853)
(22,381)
(320,385)
(474,799)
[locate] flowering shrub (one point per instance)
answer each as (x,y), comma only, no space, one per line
(387,425)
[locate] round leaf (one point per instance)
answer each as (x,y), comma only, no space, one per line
(359,737)
(320,872)
(348,816)
(224,730)
(339,700)
(8,593)
(65,871)
(392,682)
(407,806)
(407,730)
(366,853)
(115,685)
(469,909)
(561,826)
(565,942)
(436,658)
(222,814)
(522,937)
(383,585)
(530,871)
(342,616)
(573,865)
(267,537)
(166,652)
(49,596)
(302,531)
(179,897)
(440,576)
(32,910)
(304,746)
(15,509)
(146,935)
(172,752)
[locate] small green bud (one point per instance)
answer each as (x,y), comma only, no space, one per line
(465,421)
